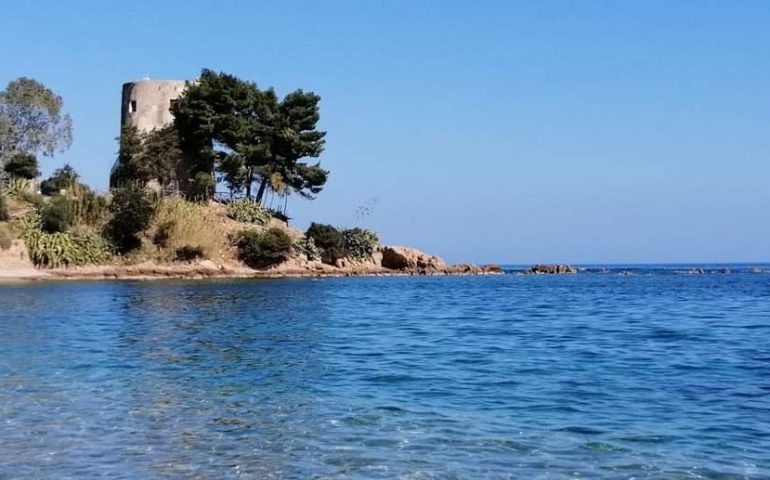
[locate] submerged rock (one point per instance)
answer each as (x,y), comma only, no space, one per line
(552,269)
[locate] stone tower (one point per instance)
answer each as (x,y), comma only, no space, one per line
(146,103)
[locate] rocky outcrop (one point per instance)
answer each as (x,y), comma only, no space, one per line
(414,262)
(404,258)
(551,269)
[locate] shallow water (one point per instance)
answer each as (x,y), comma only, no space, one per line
(592,376)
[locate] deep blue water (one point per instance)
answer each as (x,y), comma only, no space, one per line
(583,376)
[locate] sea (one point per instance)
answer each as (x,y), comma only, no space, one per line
(617,372)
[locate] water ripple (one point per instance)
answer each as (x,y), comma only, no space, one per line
(592,376)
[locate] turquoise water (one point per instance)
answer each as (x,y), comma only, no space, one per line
(586,376)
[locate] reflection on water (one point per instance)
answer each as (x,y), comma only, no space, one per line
(528,377)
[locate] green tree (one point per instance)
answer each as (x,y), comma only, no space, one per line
(132,212)
(144,157)
(22,165)
(31,120)
(251,136)
(64,178)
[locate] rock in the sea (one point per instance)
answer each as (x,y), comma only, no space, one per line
(552,269)
(696,271)
(404,258)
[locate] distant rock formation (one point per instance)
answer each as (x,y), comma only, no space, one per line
(404,258)
(551,269)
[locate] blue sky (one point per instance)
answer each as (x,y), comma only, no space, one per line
(496,131)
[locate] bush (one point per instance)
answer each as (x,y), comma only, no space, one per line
(263,249)
(64,178)
(3,209)
(22,165)
(54,250)
(57,215)
(360,243)
(329,240)
(188,253)
(88,207)
(132,212)
(163,233)
(6,238)
(181,223)
(17,187)
(202,187)
(245,211)
(306,246)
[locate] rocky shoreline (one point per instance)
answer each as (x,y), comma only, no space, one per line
(387,261)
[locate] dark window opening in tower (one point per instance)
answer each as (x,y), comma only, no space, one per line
(132,106)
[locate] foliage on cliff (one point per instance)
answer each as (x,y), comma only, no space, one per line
(249,135)
(260,249)
(246,211)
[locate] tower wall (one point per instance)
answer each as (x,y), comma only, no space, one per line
(146,103)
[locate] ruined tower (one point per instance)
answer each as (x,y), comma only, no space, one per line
(146,103)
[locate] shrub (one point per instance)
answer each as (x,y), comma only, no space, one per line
(188,253)
(19,186)
(64,178)
(53,250)
(6,238)
(3,209)
(22,166)
(163,233)
(263,249)
(92,248)
(132,212)
(202,187)
(181,223)
(329,240)
(88,208)
(57,215)
(307,247)
(245,211)
(360,243)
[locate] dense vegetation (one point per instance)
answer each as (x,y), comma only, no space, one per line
(250,136)
(223,126)
(132,211)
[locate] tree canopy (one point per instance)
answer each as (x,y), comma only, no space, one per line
(64,178)
(249,135)
(31,120)
(144,157)
(21,165)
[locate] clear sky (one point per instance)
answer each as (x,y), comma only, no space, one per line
(499,131)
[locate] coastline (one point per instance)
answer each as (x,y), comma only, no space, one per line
(209,271)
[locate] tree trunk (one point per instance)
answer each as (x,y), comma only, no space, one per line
(248,184)
(261,192)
